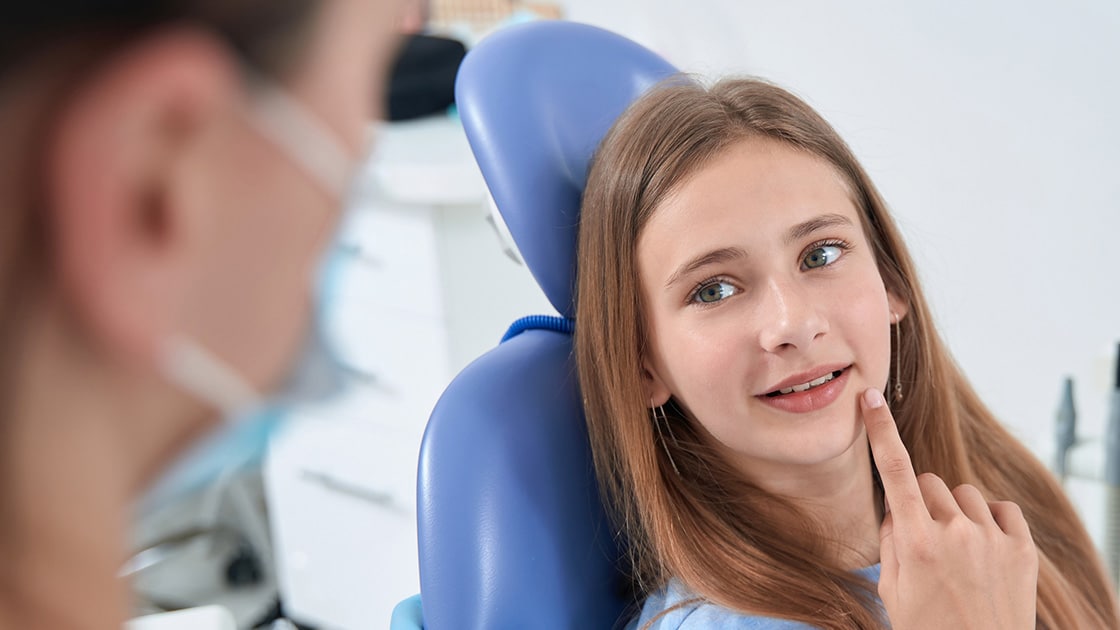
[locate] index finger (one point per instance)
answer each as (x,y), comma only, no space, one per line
(900,484)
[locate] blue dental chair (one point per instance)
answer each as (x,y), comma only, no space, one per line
(512,533)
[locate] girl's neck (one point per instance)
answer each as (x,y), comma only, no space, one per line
(843,497)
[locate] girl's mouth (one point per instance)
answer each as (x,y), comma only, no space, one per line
(803,387)
(812,395)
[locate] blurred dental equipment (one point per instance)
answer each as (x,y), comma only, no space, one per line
(1066,435)
(1112,479)
(201,618)
(1072,461)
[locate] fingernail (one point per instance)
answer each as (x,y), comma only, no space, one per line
(872,398)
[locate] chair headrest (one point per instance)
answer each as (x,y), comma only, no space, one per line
(535,101)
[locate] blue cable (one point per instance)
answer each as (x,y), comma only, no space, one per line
(539,322)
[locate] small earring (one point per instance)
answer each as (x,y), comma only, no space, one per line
(897,358)
(658,418)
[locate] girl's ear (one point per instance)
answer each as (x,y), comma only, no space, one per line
(899,307)
(657,392)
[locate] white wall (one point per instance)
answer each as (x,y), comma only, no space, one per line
(991,129)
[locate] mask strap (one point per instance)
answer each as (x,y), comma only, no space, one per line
(193,368)
(301,135)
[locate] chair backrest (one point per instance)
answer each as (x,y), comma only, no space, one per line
(512,531)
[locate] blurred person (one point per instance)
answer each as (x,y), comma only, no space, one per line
(170,175)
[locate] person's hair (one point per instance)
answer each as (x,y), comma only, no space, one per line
(265,33)
(726,539)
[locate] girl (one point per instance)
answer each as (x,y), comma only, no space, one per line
(743,298)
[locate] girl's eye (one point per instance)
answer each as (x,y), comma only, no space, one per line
(821,256)
(714,292)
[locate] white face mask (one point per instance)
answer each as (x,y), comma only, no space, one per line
(249,417)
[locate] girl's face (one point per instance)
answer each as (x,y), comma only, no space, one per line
(757,278)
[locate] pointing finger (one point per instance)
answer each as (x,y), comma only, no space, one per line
(900,484)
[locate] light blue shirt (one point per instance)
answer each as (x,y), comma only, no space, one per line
(703,615)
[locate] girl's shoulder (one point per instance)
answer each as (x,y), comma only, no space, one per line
(676,607)
(686,611)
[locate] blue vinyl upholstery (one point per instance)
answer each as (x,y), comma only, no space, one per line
(511,529)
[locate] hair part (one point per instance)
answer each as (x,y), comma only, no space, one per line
(728,540)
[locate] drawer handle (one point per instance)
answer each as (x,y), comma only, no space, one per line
(358,252)
(381,499)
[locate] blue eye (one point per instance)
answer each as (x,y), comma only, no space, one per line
(821,256)
(713,292)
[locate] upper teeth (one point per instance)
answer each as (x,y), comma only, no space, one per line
(811,384)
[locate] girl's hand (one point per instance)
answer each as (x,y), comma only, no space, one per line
(949,559)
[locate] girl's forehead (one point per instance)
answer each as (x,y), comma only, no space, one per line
(752,192)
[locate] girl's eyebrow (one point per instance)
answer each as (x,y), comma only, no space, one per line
(726,254)
(801,230)
(723,254)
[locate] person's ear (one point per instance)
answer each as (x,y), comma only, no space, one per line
(118,184)
(899,307)
(657,392)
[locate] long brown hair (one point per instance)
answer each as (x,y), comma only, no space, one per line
(728,540)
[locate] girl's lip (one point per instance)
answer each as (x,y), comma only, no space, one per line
(811,399)
(808,375)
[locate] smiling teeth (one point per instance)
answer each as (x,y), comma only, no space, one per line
(811,384)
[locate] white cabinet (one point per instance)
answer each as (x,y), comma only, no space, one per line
(341,479)
(423,288)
